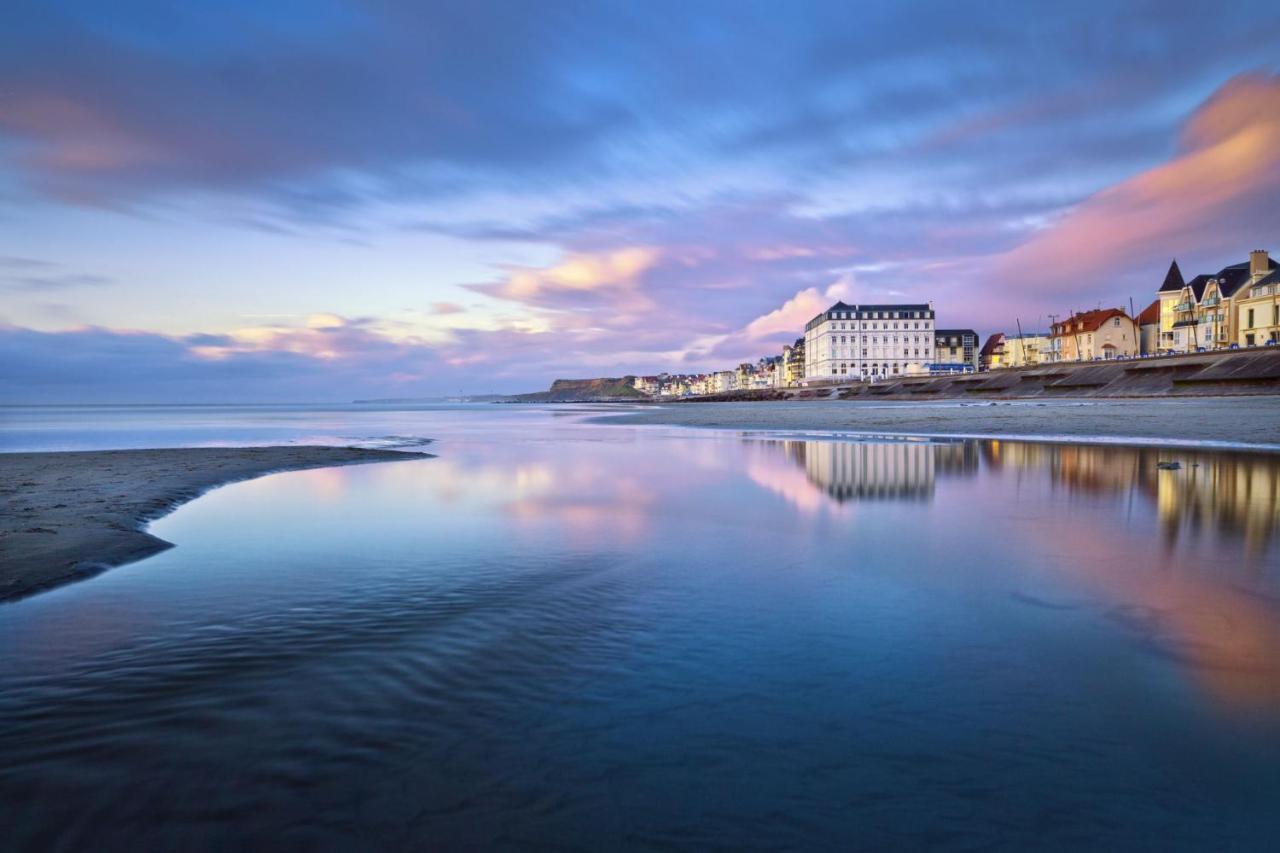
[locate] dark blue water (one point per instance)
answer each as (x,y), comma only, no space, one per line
(571,636)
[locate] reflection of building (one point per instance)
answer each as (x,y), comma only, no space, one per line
(852,470)
(1235,494)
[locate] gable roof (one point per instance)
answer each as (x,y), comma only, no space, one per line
(1271,278)
(993,343)
(1150,315)
(1197,285)
(1173,279)
(1089,321)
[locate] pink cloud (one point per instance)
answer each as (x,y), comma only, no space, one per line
(790,318)
(1222,183)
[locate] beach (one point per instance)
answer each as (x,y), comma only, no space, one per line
(65,516)
(1243,422)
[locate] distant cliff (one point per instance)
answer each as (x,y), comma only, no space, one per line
(584,391)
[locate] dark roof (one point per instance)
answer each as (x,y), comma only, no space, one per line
(946,332)
(844,306)
(1232,278)
(1150,315)
(1197,285)
(992,342)
(1173,279)
(1271,278)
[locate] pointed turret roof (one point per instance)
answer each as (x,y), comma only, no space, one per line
(1173,279)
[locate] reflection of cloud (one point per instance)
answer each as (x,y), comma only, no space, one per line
(1225,637)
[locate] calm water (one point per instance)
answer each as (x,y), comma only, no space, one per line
(573,636)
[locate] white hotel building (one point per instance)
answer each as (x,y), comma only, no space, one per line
(853,342)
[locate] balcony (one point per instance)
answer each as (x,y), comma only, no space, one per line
(1183,307)
(1211,302)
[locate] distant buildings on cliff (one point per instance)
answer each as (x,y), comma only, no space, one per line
(1239,306)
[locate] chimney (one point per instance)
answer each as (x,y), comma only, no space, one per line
(1259,263)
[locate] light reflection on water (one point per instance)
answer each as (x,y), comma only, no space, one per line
(604,637)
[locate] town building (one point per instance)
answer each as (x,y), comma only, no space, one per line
(1203,313)
(954,350)
(1104,333)
(992,353)
(1026,349)
(1149,329)
(651,385)
(723,381)
(857,342)
(1257,303)
(793,363)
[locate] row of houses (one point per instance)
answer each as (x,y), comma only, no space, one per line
(1238,306)
(845,342)
(768,372)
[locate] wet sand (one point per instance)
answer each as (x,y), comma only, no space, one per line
(66,516)
(1204,422)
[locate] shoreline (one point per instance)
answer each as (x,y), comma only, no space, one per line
(70,515)
(1247,424)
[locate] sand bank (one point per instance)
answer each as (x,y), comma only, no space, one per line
(67,516)
(1221,421)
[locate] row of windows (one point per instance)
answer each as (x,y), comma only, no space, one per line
(905,353)
(878,315)
(879,326)
(866,370)
(906,339)
(1275,319)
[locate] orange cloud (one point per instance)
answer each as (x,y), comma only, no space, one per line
(1228,159)
(581,272)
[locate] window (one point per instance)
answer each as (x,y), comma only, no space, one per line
(1250,318)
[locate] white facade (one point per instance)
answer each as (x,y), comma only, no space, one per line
(855,342)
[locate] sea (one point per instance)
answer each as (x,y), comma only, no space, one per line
(558,633)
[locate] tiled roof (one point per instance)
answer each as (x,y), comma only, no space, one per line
(1150,315)
(1090,321)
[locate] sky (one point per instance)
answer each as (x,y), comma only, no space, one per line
(320,200)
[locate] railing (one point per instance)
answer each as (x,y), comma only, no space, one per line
(1211,302)
(1184,307)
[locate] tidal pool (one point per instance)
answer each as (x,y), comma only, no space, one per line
(576,636)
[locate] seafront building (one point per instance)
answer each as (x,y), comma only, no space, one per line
(1149,329)
(854,342)
(793,363)
(1257,304)
(954,350)
(1204,313)
(1026,350)
(1104,333)
(992,353)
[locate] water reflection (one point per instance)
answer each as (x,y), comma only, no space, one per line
(1195,493)
(847,471)
(496,647)
(1235,495)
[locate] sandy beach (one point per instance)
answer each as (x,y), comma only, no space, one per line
(1207,422)
(65,516)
